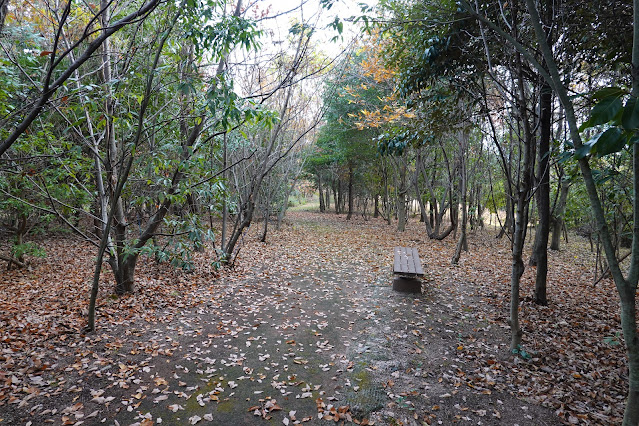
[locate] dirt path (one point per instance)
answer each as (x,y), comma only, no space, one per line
(311,332)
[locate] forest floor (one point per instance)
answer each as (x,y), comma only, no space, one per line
(306,329)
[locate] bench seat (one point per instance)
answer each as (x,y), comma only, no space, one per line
(407,262)
(408,270)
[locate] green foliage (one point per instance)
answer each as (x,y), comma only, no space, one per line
(45,172)
(184,234)
(18,251)
(395,143)
(22,61)
(216,34)
(578,213)
(613,340)
(231,110)
(426,54)
(519,350)
(618,123)
(340,140)
(598,41)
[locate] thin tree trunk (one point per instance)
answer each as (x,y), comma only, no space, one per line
(266,216)
(558,220)
(124,281)
(225,206)
(543,197)
(419,168)
(462,244)
(517,270)
(248,208)
(322,207)
(508,221)
(521,218)
(350,191)
(4,8)
(401,196)
(327,196)
(480,207)
(387,196)
(376,207)
(282,212)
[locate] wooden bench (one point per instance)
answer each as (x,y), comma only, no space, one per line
(408,270)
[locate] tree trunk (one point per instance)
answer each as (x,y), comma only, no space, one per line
(284,208)
(517,270)
(225,207)
(21,230)
(433,225)
(401,211)
(4,8)
(431,213)
(523,205)
(480,208)
(543,197)
(322,207)
(519,238)
(364,208)
(350,192)
(454,212)
(266,216)
(472,221)
(376,208)
(124,274)
(401,196)
(386,196)
(507,227)
(558,217)
(462,243)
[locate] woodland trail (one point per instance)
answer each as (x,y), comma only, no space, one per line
(306,329)
(313,332)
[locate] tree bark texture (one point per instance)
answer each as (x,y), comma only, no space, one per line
(461,242)
(376,206)
(543,197)
(322,207)
(350,192)
(401,197)
(4,8)
(558,217)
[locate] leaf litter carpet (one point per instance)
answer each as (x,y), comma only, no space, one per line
(307,330)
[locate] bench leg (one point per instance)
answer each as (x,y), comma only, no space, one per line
(407,285)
